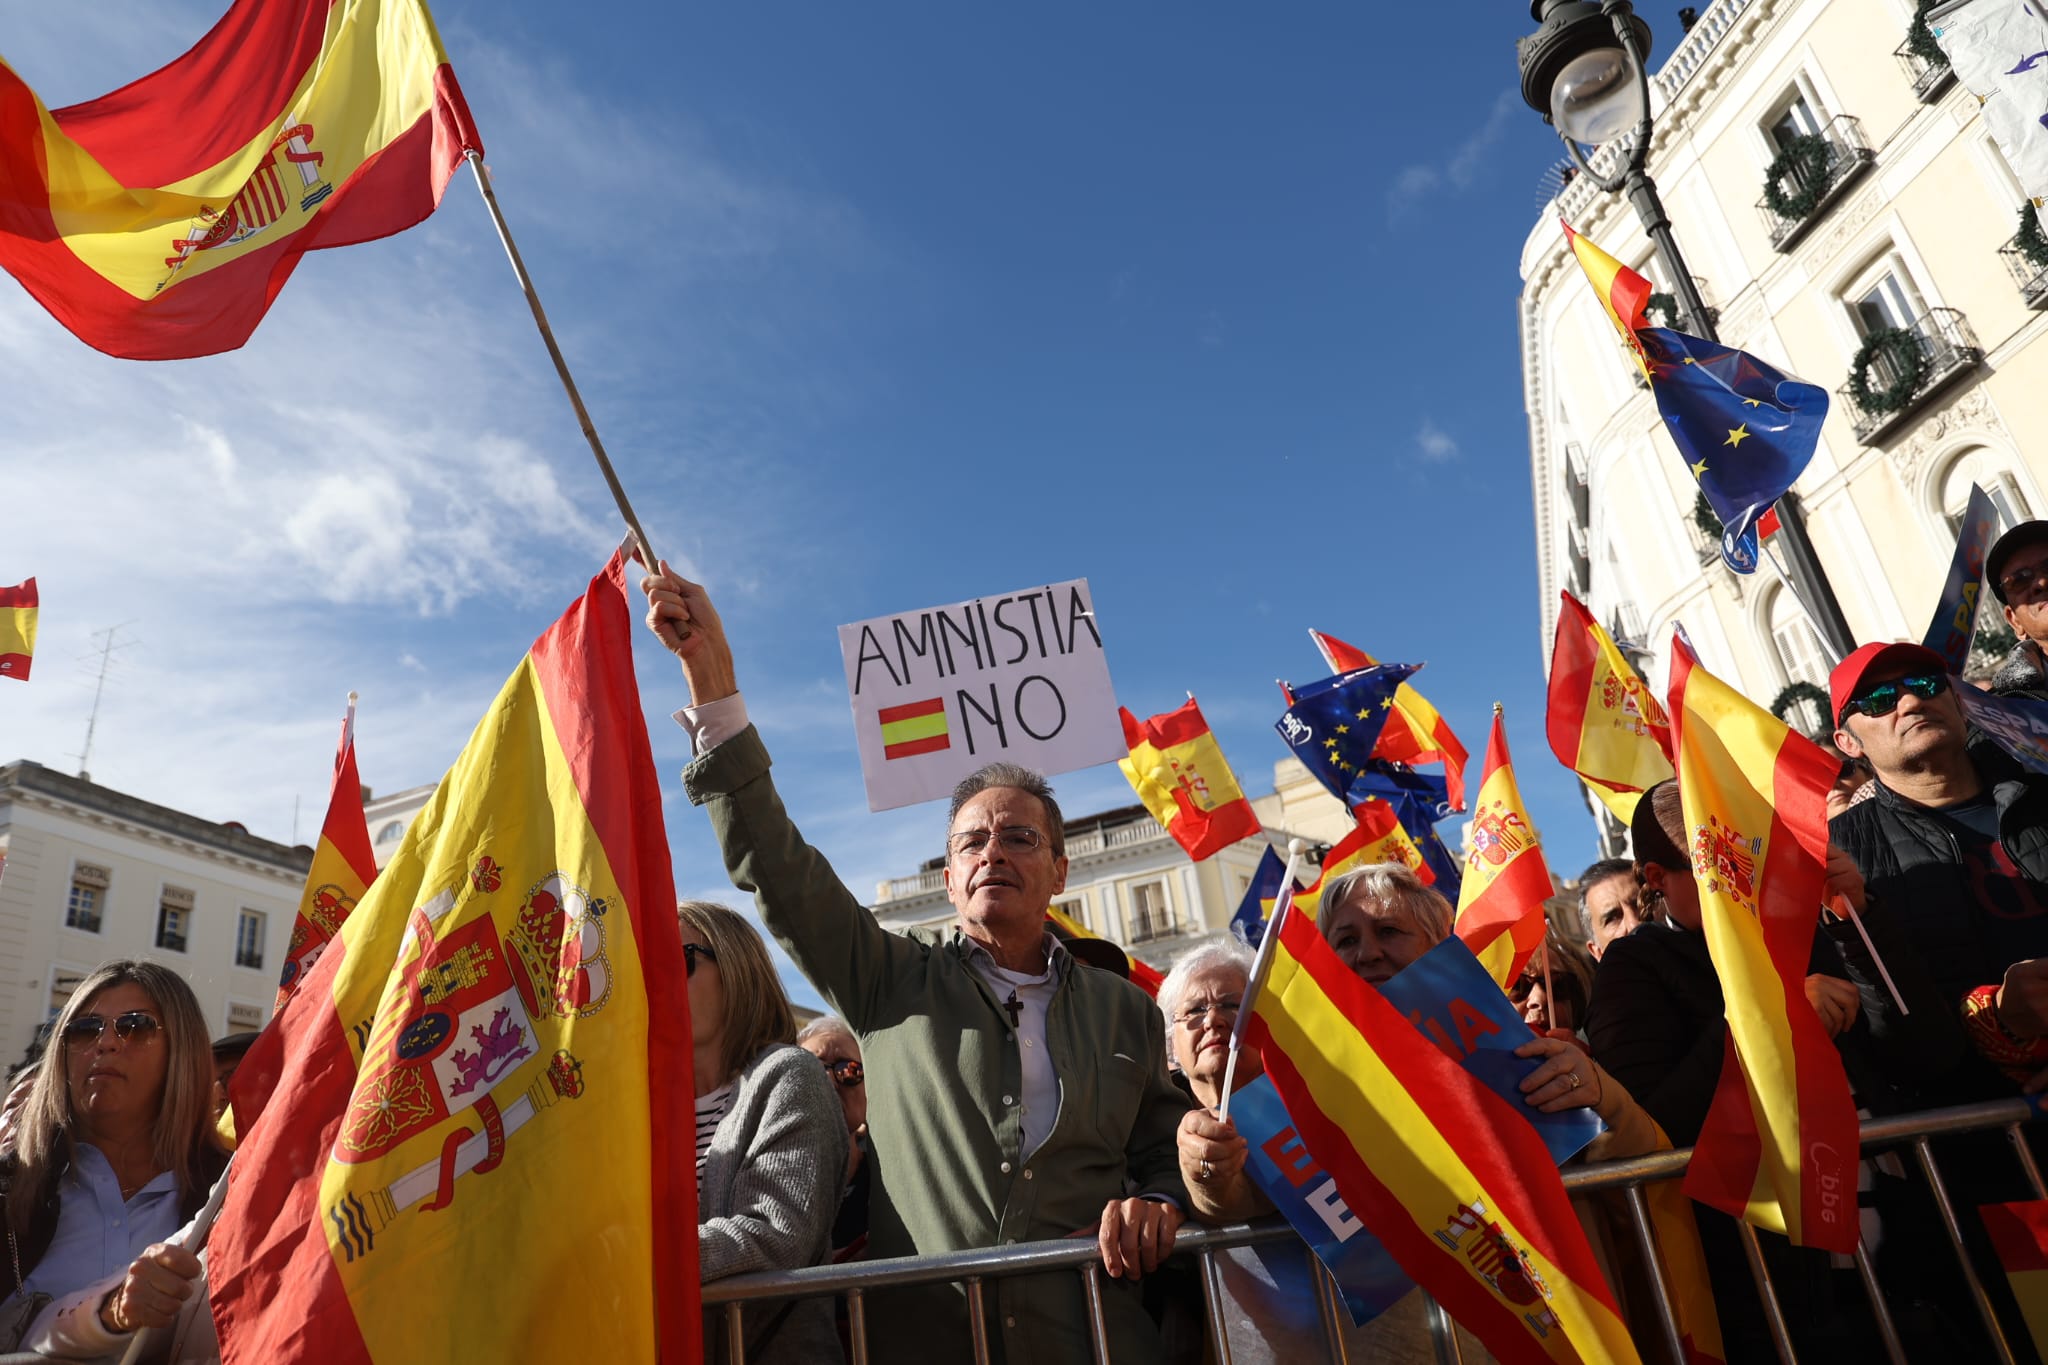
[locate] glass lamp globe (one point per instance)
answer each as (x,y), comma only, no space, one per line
(1596,97)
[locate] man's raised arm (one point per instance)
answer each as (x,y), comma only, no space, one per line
(833,939)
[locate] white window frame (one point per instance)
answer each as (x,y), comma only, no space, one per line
(262,918)
(1164,924)
(166,906)
(105,894)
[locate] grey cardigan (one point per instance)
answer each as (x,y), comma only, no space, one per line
(771,1187)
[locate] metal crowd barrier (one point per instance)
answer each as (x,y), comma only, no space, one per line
(972,1269)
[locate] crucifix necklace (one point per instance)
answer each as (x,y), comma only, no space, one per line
(1015,1007)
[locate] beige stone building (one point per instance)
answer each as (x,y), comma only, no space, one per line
(88,874)
(1892,228)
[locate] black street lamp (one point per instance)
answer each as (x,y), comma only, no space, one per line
(1584,70)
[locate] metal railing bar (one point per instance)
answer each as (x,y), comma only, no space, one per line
(1098,1328)
(735,1335)
(1330,1308)
(2018,1137)
(857,1325)
(1212,1308)
(977,1320)
(1774,1316)
(1887,1330)
(1646,1242)
(1443,1333)
(1925,1153)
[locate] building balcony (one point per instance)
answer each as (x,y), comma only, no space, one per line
(1931,78)
(2026,260)
(1938,349)
(245,957)
(1813,172)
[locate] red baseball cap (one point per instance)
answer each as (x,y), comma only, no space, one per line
(1847,679)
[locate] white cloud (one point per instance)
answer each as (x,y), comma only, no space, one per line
(1414,184)
(1435,444)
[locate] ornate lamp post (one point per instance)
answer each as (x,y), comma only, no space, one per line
(1583,69)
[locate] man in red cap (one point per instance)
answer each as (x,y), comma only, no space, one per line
(2017,570)
(1954,848)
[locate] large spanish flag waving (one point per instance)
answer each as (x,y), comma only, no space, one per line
(1779,1144)
(1446,1173)
(1500,902)
(160,221)
(477,1140)
(1604,723)
(1623,294)
(18,608)
(1179,772)
(343,866)
(1416,733)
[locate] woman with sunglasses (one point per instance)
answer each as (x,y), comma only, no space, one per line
(771,1136)
(831,1041)
(115,1151)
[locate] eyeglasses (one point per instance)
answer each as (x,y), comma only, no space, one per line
(1883,699)
(1194,1016)
(971,843)
(693,951)
(2028,580)
(847,1071)
(88,1028)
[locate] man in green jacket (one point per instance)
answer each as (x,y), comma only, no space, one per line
(1013,1095)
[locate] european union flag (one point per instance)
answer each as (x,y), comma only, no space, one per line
(1419,800)
(1332,725)
(1746,430)
(1249,923)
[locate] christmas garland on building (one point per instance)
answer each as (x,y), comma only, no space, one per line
(1704,518)
(1806,158)
(2032,242)
(1794,693)
(1664,306)
(1920,39)
(1901,350)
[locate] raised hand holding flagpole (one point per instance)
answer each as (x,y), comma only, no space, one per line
(1261,965)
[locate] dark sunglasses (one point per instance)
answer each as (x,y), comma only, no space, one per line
(1883,699)
(847,1070)
(87,1028)
(693,951)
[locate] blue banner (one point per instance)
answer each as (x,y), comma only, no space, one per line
(2019,725)
(1955,616)
(1460,1009)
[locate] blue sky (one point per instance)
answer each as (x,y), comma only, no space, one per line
(876,309)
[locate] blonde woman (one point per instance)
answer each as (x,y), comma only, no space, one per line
(771,1137)
(114,1151)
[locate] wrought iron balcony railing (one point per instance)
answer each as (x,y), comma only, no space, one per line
(1812,172)
(2027,262)
(1931,79)
(1905,368)
(249,957)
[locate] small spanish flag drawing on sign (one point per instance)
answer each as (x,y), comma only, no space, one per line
(916,727)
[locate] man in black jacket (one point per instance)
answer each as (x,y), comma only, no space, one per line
(1955,848)
(2017,570)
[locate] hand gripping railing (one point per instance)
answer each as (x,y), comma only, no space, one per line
(972,1269)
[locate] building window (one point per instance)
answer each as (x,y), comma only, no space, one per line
(1795,119)
(391,832)
(63,981)
(174,919)
(246,1018)
(1074,908)
(249,938)
(1151,915)
(1980,467)
(89,884)
(1801,660)
(1888,302)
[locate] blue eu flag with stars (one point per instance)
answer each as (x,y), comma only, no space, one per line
(1333,725)
(1419,800)
(1746,430)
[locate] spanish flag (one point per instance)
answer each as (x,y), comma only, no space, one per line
(478,1136)
(160,221)
(343,866)
(2019,1233)
(1415,733)
(17,629)
(1500,903)
(1779,1145)
(1143,975)
(1622,292)
(1376,838)
(1447,1174)
(1180,774)
(1604,723)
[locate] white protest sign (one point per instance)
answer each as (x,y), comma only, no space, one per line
(939,693)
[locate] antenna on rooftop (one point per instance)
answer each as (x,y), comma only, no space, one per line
(98,691)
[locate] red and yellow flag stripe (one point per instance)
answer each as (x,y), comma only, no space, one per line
(1416,732)
(1376,838)
(1179,772)
(1500,902)
(1779,1145)
(161,220)
(1604,722)
(1623,293)
(18,610)
(343,867)
(1446,1173)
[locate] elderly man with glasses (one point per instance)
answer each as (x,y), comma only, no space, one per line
(1953,849)
(1012,1094)
(2017,570)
